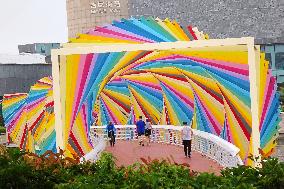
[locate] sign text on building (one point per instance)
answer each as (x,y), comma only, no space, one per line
(104,7)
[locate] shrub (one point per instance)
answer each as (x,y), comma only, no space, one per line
(26,170)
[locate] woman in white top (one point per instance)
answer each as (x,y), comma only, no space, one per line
(148,130)
(186,137)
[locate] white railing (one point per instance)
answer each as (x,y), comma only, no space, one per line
(212,146)
(99,146)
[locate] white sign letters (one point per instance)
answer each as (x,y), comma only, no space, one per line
(104,7)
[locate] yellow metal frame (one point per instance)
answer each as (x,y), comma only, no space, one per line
(231,44)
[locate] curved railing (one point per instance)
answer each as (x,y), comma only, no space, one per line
(212,146)
(99,146)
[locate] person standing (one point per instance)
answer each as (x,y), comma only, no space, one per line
(148,130)
(140,127)
(186,137)
(111,133)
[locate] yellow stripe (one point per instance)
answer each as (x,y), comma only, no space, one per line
(72,64)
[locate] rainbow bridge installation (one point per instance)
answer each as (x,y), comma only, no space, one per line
(156,69)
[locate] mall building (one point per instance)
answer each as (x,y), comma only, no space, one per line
(261,19)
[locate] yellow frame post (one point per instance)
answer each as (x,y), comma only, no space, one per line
(253,58)
(57,102)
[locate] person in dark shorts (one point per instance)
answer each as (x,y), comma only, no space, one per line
(111,133)
(140,126)
(148,130)
(186,137)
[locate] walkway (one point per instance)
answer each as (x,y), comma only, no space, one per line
(129,152)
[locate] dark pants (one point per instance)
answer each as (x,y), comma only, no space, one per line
(187,147)
(111,133)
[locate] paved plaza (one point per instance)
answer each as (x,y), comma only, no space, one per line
(129,152)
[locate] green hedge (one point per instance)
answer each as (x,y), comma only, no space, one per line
(2,130)
(16,171)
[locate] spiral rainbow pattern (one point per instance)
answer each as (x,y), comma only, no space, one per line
(29,118)
(209,85)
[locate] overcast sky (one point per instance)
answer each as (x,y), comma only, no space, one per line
(31,21)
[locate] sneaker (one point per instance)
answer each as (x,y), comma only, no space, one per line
(189,156)
(142,144)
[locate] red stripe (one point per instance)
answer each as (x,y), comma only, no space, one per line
(216,128)
(14,95)
(157,87)
(247,134)
(36,121)
(118,102)
(208,91)
(76,143)
(50,104)
(223,67)
(192,32)
(23,137)
(180,78)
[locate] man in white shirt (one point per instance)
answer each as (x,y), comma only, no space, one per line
(186,137)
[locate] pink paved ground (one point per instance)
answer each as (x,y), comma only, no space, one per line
(129,152)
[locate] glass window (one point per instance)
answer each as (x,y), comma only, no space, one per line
(279,60)
(268,58)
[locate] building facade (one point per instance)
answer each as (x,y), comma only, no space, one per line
(18,78)
(274,53)
(39,48)
(85,14)
(261,19)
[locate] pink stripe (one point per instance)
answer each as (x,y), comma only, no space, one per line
(111,34)
(268,78)
(236,72)
(83,112)
(117,79)
(232,69)
(268,99)
(170,57)
(225,64)
(125,33)
(227,129)
(155,87)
